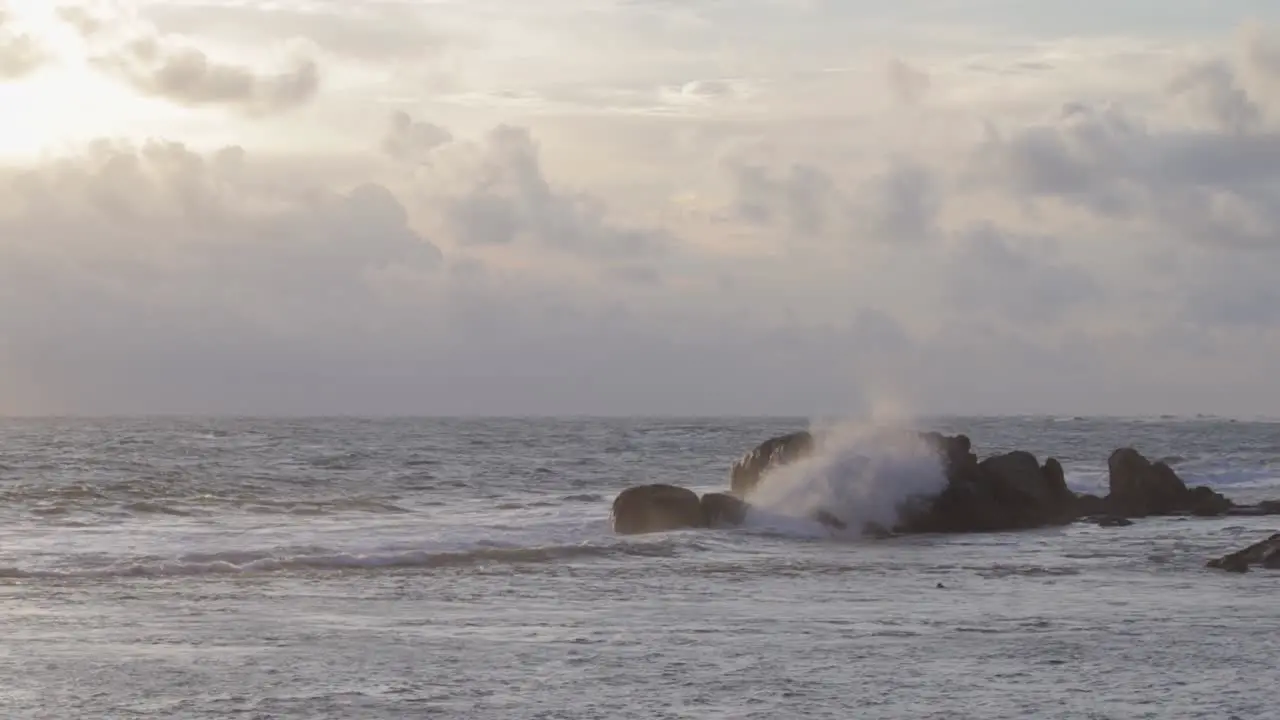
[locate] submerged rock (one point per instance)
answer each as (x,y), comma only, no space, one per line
(1265,553)
(748,470)
(656,508)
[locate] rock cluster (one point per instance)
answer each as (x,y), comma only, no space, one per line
(1009,491)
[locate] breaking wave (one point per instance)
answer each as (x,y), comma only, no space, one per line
(859,475)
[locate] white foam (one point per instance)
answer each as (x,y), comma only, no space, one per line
(858,474)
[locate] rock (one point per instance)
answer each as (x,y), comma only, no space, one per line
(1056,477)
(1271,560)
(1004,492)
(1265,553)
(1140,488)
(1113,521)
(721,510)
(1091,505)
(829,520)
(656,508)
(772,453)
(1204,502)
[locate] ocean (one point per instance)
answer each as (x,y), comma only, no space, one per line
(401,568)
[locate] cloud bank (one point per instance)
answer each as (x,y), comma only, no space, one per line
(804,237)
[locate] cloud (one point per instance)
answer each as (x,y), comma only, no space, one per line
(375,32)
(997,274)
(1213,90)
(172,69)
(899,203)
(503,198)
(151,277)
(907,84)
(126,241)
(20,53)
(412,141)
(1052,238)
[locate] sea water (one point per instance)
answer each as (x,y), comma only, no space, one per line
(342,568)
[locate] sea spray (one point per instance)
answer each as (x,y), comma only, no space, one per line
(858,474)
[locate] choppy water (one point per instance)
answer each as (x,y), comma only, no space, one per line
(399,568)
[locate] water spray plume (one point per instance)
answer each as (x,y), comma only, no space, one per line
(860,473)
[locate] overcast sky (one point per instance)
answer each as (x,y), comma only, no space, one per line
(640,206)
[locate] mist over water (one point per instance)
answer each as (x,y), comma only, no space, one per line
(859,473)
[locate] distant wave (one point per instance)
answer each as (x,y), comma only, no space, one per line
(317,560)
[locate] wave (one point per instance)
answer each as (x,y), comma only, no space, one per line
(860,475)
(320,560)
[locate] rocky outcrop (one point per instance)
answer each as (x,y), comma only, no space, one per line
(1012,491)
(1009,491)
(747,472)
(656,508)
(1141,488)
(1265,554)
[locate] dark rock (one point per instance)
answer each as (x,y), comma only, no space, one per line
(1140,488)
(1056,478)
(1113,521)
(1204,502)
(723,510)
(1090,505)
(1271,560)
(656,508)
(829,520)
(1233,564)
(772,453)
(1265,553)
(1004,492)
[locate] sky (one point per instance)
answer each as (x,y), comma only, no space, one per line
(614,207)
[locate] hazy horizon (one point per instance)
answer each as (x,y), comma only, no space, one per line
(623,208)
